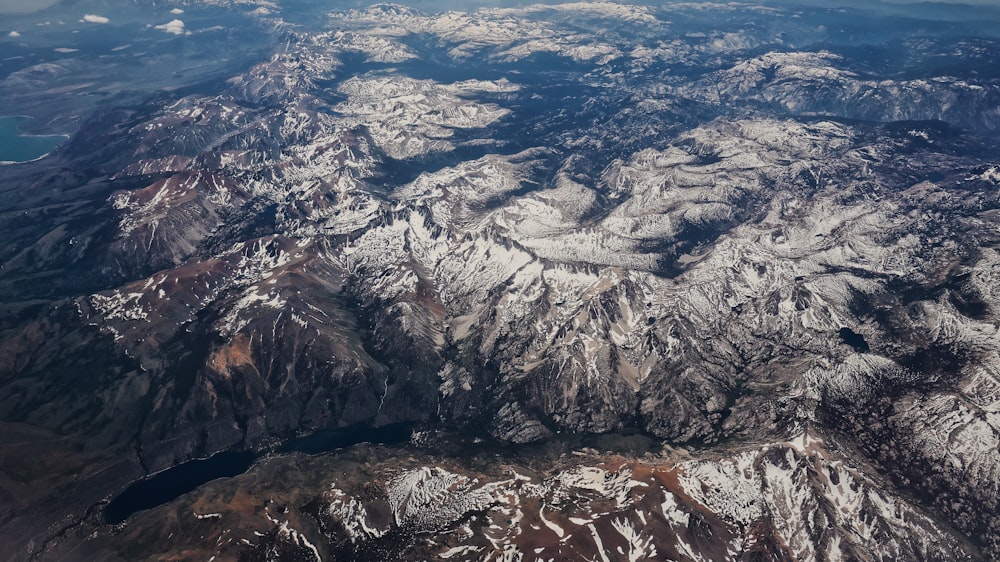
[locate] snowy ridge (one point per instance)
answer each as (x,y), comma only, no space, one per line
(543,219)
(806,493)
(802,82)
(506,35)
(408,117)
(429,498)
(797,498)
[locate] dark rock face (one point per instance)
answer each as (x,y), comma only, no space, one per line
(519,223)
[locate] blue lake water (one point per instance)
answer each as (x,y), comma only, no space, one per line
(17,147)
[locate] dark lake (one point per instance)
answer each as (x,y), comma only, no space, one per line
(183,478)
(175,482)
(854,339)
(16,147)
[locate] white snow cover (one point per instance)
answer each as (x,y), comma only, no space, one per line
(497,253)
(791,483)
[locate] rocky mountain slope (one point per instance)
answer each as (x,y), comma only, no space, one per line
(792,500)
(719,225)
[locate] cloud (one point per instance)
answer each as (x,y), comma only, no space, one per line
(13,35)
(91,18)
(173,26)
(177,11)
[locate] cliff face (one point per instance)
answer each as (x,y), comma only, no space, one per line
(520,222)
